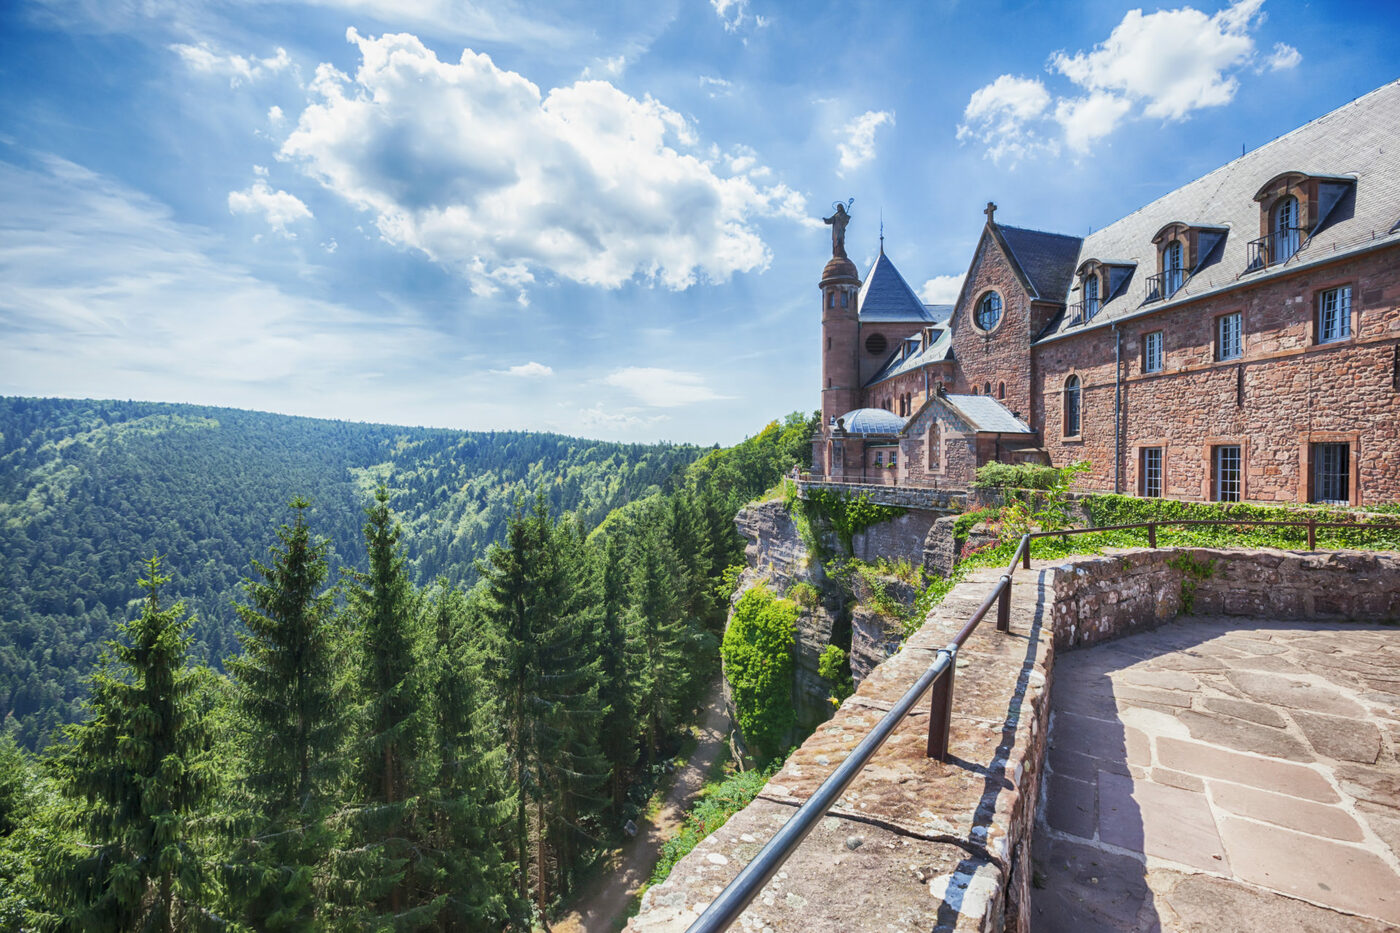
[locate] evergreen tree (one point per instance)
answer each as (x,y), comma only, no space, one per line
(660,634)
(384,606)
(291,709)
(136,780)
(618,670)
(546,684)
(467,806)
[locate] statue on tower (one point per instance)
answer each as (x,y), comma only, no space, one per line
(838,220)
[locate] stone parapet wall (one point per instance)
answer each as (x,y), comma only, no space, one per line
(919,845)
(905,497)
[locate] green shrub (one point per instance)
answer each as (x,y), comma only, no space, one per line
(848,515)
(757,652)
(833,667)
(996,475)
(804,594)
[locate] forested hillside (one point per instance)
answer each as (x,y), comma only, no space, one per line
(385,754)
(89,489)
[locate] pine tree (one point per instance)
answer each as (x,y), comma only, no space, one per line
(136,778)
(655,625)
(291,706)
(384,607)
(467,806)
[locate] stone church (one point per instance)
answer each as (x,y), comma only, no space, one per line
(1238,339)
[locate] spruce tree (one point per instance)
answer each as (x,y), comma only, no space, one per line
(137,780)
(619,665)
(384,607)
(466,805)
(291,706)
(661,636)
(545,682)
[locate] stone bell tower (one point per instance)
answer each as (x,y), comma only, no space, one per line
(840,286)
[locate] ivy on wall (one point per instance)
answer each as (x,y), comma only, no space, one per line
(758,662)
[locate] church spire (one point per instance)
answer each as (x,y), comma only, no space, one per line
(882,231)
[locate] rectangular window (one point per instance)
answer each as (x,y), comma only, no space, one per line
(1228,345)
(1152,352)
(879,458)
(1331,467)
(1334,314)
(894,458)
(1227,473)
(1152,472)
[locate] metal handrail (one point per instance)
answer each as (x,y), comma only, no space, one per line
(1279,246)
(739,893)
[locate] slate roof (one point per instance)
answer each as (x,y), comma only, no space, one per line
(1360,140)
(985,413)
(936,352)
(872,421)
(1048,260)
(886,297)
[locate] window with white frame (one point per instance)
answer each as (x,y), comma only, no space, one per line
(1334,314)
(1286,232)
(1091,296)
(1228,471)
(1152,352)
(879,458)
(1229,344)
(1173,269)
(1151,485)
(1331,469)
(894,459)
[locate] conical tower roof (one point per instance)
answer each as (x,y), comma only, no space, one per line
(885,296)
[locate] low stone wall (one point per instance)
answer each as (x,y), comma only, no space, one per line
(919,845)
(907,497)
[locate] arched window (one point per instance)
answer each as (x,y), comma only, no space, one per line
(986,388)
(1172,270)
(1286,232)
(1001,390)
(1072,394)
(1091,296)
(988,311)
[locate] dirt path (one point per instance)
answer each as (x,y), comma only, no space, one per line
(606,900)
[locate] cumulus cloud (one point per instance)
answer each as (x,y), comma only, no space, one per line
(237,68)
(613,420)
(1001,115)
(942,289)
(278,208)
(1284,56)
(857,145)
(1163,65)
(663,388)
(274,115)
(530,370)
(476,168)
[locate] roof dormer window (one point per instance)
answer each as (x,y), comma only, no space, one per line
(1173,268)
(1292,207)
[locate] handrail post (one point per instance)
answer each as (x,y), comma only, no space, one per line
(1004,605)
(1151,534)
(1026,553)
(940,714)
(1312,533)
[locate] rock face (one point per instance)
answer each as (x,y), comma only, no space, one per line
(777,558)
(874,635)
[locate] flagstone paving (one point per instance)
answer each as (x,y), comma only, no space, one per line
(1219,774)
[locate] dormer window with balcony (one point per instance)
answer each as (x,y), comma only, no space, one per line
(1292,207)
(1100,280)
(1182,250)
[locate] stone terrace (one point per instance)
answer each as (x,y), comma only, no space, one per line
(1199,771)
(1233,741)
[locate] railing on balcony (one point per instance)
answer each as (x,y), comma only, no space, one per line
(1083,311)
(1163,285)
(725,909)
(1277,247)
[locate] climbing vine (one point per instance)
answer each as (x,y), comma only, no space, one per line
(1192,573)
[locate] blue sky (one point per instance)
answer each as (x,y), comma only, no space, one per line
(601,219)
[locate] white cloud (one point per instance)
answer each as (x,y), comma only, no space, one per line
(1284,56)
(278,208)
(733,13)
(1161,65)
(942,289)
(1086,120)
(613,420)
(473,166)
(237,68)
(530,370)
(999,115)
(274,115)
(716,87)
(857,146)
(663,388)
(1171,62)
(103,295)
